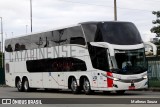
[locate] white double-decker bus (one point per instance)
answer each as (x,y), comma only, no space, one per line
(106,56)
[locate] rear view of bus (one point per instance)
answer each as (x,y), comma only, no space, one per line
(117,52)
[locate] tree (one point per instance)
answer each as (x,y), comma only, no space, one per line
(156,29)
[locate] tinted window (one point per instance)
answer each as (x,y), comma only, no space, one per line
(121,33)
(60,37)
(18,44)
(56,65)
(99,57)
(90,31)
(75,35)
(8,45)
(41,40)
(130,61)
(25,42)
(7,68)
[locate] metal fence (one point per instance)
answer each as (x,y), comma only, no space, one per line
(2,76)
(154,71)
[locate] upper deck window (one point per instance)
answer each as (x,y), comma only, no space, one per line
(70,35)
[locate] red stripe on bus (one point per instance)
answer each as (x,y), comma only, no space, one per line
(109,80)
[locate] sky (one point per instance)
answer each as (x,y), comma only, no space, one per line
(50,14)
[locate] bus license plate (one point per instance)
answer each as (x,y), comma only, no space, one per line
(131,87)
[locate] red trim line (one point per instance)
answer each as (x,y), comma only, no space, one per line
(109,80)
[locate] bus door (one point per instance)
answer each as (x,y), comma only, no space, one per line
(98,80)
(102,81)
(94,79)
(61,79)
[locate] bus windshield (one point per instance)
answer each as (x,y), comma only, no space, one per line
(130,61)
(121,33)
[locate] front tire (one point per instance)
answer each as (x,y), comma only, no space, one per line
(74,86)
(87,87)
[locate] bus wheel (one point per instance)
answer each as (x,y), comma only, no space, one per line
(120,92)
(87,87)
(26,85)
(19,85)
(74,86)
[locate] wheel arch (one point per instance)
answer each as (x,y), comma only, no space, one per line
(24,77)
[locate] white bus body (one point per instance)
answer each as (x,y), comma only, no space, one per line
(79,58)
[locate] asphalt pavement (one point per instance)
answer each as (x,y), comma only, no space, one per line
(8,92)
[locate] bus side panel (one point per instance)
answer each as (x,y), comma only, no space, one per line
(50,80)
(36,80)
(20,67)
(9,75)
(61,80)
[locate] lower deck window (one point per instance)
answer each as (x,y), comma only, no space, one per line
(7,68)
(56,65)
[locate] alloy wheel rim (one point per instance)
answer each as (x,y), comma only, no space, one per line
(26,85)
(86,86)
(19,85)
(74,85)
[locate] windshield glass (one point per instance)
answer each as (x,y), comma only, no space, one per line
(99,57)
(130,61)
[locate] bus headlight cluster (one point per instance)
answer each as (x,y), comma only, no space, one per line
(145,77)
(104,74)
(115,79)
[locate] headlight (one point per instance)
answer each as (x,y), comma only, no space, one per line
(115,79)
(104,74)
(145,77)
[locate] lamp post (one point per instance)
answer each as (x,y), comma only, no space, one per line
(31,13)
(115,10)
(2,39)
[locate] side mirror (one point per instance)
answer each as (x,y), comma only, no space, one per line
(153,46)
